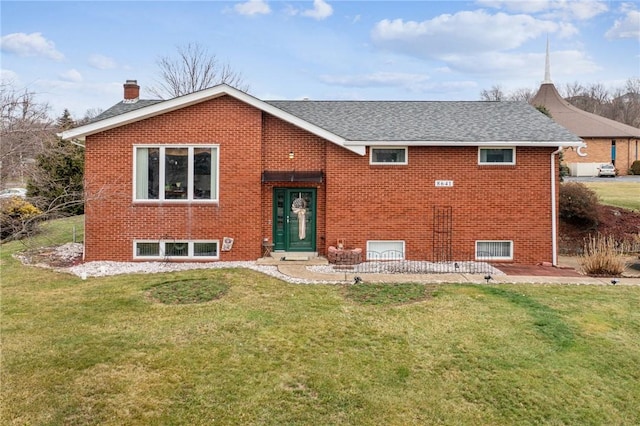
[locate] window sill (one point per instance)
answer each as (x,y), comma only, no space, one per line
(173,202)
(176,259)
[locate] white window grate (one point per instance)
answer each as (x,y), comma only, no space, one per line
(500,250)
(156,250)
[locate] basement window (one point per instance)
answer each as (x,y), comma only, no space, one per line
(494,250)
(385,250)
(174,250)
(495,156)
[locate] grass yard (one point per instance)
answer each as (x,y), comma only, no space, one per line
(106,351)
(619,194)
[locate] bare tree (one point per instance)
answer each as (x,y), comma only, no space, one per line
(89,115)
(493,94)
(24,130)
(572,90)
(621,104)
(193,69)
(522,94)
(497,94)
(625,103)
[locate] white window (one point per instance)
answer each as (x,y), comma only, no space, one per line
(497,156)
(180,173)
(385,250)
(154,250)
(494,250)
(388,155)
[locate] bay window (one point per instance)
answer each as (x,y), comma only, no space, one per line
(187,173)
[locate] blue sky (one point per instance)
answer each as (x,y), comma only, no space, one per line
(77,55)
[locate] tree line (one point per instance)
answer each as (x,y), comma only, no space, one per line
(620,103)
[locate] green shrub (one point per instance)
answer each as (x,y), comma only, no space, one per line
(603,256)
(578,204)
(635,168)
(18,219)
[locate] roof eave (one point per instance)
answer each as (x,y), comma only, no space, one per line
(564,144)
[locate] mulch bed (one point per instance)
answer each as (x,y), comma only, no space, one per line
(537,271)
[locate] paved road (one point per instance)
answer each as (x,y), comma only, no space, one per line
(602,179)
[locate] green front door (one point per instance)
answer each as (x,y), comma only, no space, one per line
(294,219)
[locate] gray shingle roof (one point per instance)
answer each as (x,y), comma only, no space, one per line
(122,107)
(407,121)
(447,121)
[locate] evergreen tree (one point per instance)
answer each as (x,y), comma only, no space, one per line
(56,186)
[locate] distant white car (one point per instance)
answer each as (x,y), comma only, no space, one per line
(13,192)
(607,170)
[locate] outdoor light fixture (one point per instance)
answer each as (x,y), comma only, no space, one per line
(290,155)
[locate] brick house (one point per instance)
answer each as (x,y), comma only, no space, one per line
(213,174)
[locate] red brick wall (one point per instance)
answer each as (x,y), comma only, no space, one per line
(367,202)
(113,220)
(309,151)
(356,201)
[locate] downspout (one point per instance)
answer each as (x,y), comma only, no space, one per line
(554,224)
(84,216)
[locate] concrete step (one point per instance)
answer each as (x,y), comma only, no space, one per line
(293,259)
(294,254)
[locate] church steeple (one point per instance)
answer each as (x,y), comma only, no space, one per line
(547,67)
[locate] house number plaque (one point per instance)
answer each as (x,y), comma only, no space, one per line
(444,183)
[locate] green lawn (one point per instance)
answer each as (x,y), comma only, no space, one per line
(620,194)
(103,351)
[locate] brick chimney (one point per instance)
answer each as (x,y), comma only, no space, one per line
(131,90)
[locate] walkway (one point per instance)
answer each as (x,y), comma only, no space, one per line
(565,274)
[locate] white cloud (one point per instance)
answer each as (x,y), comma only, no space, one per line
(567,63)
(407,81)
(72,75)
(376,79)
(451,86)
(628,27)
(583,10)
(466,32)
(253,7)
(8,77)
(321,10)
(102,62)
(33,44)
(567,9)
(533,6)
